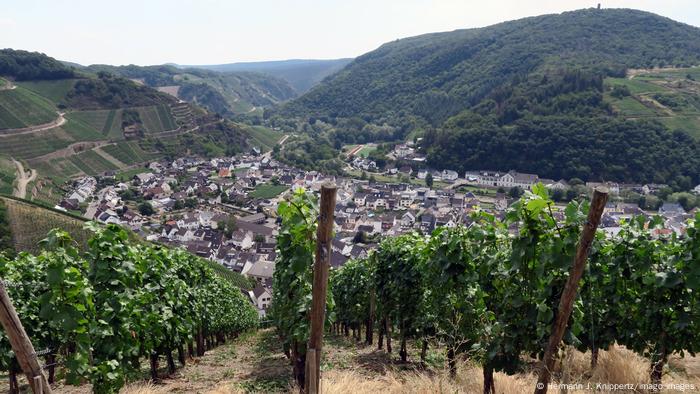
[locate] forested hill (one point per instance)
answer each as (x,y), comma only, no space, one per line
(302,74)
(451,71)
(499,96)
(226,93)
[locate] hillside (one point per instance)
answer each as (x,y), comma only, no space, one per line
(65,123)
(499,78)
(226,93)
(301,74)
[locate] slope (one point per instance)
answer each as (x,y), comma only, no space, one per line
(134,122)
(526,95)
(302,74)
(225,93)
(458,69)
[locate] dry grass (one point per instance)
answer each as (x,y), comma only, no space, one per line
(254,363)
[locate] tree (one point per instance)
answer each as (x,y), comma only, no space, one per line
(191,203)
(515,192)
(146,209)
(429,180)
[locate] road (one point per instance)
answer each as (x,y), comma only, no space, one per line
(22,180)
(58,122)
(281,142)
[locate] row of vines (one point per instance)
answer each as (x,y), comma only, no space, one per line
(489,291)
(98,314)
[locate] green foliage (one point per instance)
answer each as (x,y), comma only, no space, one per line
(501,93)
(399,279)
(491,290)
(567,147)
(293,270)
(110,92)
(24,65)
(6,245)
(293,276)
(21,108)
(101,311)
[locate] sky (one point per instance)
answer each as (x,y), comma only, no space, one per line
(197,32)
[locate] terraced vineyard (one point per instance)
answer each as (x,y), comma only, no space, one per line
(107,121)
(20,108)
(54,90)
(92,163)
(671,96)
(59,169)
(29,224)
(26,146)
(263,137)
(157,119)
(126,152)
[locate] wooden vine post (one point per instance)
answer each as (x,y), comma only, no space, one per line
(566,303)
(21,345)
(320,288)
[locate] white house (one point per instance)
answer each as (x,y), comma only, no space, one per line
(697,189)
(262,299)
(450,175)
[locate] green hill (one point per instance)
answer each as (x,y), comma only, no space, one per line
(226,93)
(302,74)
(109,123)
(20,107)
(497,97)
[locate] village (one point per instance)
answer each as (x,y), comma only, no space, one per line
(224,209)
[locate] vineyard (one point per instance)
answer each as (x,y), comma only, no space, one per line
(488,292)
(97,314)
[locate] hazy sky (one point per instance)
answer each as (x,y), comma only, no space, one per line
(224,31)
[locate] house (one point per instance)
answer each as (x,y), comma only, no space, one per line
(671,209)
(696,190)
(450,175)
(261,297)
(261,270)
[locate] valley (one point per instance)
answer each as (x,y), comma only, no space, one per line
(472,210)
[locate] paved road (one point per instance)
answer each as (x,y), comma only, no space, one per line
(22,179)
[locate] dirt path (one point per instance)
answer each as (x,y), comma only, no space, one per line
(58,122)
(23,179)
(109,157)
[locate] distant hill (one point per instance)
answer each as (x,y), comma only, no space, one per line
(226,93)
(301,74)
(468,91)
(64,122)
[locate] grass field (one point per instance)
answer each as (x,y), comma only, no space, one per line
(21,108)
(268,191)
(157,118)
(366,150)
(54,90)
(127,175)
(92,163)
(264,137)
(631,107)
(636,85)
(690,125)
